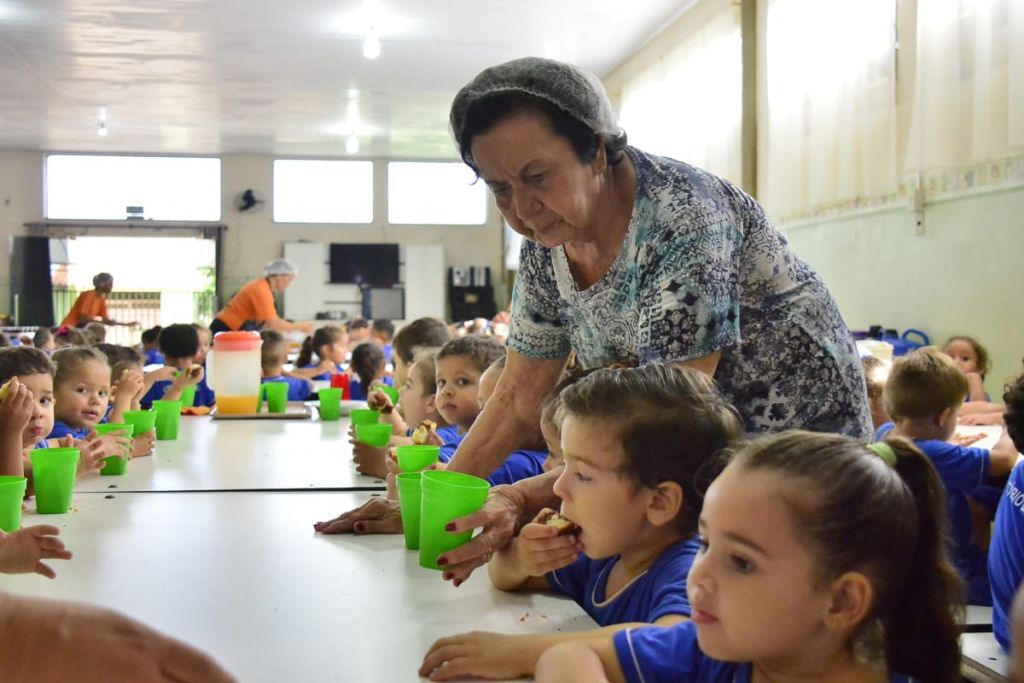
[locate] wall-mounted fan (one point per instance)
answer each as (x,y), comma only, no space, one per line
(249,200)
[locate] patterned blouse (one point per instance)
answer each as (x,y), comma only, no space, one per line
(702,270)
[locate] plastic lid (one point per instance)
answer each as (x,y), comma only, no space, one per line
(237,341)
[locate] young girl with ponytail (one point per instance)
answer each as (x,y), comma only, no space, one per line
(822,559)
(330,345)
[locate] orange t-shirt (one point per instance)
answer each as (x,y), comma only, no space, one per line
(255,301)
(88,305)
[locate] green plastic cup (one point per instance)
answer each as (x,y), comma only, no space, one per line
(330,404)
(53,472)
(188,396)
(391,392)
(277,396)
(142,420)
(415,458)
(444,496)
(168,419)
(12,492)
(409,500)
(115,465)
(374,434)
(364,416)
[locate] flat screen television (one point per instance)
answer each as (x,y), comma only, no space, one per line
(372,265)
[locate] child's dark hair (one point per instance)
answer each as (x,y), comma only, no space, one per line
(116,354)
(860,514)
(4,340)
(923,383)
(323,336)
(69,360)
(41,337)
(384,327)
(480,349)
(358,324)
(152,335)
(97,332)
(367,362)
(180,340)
(984,362)
(274,351)
(672,424)
(1013,397)
(70,336)
(18,361)
(425,333)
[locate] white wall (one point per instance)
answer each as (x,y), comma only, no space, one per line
(964,275)
(253,239)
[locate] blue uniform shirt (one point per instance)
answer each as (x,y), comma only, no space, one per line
(356,391)
(321,376)
(963,471)
(154,357)
(670,654)
(204,394)
(659,591)
(298,388)
(156,393)
(518,465)
(1006,554)
(61,429)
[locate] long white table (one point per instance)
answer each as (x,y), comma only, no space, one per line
(234,455)
(244,577)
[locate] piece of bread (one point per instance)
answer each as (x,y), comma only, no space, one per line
(5,388)
(193,371)
(552,518)
(423,432)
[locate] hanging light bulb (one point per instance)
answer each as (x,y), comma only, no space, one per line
(352,144)
(371,46)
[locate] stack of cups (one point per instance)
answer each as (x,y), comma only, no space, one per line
(115,464)
(53,472)
(411,460)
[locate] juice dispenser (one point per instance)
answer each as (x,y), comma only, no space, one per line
(233,371)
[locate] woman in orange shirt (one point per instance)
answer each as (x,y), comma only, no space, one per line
(253,306)
(92,306)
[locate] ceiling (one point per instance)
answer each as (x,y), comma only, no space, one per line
(282,77)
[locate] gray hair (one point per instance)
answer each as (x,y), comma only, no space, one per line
(281,266)
(102,279)
(576,92)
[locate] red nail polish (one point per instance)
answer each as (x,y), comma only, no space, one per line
(358,527)
(448,576)
(450,526)
(442,561)
(458,583)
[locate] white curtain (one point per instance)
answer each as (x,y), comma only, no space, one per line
(830,115)
(969,88)
(688,105)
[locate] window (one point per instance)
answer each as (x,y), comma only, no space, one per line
(442,193)
(310,191)
(91,187)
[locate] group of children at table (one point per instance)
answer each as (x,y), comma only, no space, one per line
(701,556)
(705,557)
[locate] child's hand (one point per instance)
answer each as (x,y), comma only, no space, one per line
(22,551)
(370,460)
(15,408)
(190,376)
(91,454)
(114,444)
(327,366)
(539,549)
(378,400)
(143,445)
(477,654)
(130,384)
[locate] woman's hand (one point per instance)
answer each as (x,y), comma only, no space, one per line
(498,518)
(23,551)
(477,654)
(375,516)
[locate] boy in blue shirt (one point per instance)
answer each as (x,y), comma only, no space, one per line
(1006,552)
(179,344)
(273,356)
(923,396)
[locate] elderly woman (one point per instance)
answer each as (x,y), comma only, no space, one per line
(252,308)
(630,258)
(91,307)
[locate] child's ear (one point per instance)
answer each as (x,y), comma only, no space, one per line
(944,416)
(665,503)
(432,404)
(850,600)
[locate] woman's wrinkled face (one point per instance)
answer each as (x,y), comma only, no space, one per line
(542,189)
(279,283)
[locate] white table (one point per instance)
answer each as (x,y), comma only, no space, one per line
(981,658)
(213,455)
(244,577)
